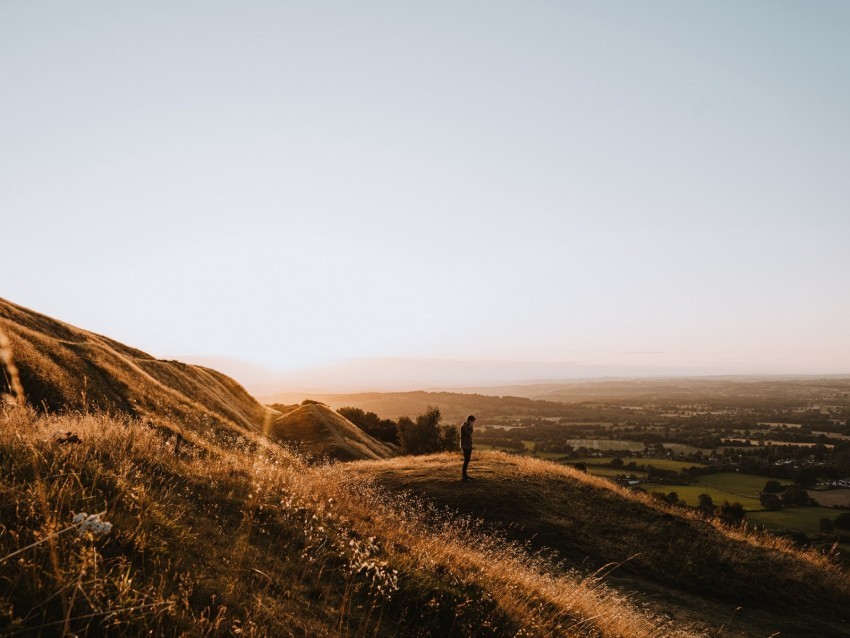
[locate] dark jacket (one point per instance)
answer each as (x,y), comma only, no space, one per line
(466,435)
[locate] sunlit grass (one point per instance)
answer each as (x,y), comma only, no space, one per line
(207,539)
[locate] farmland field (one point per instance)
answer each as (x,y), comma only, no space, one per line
(601,470)
(736,484)
(805,519)
(690,494)
(831,498)
(661,464)
(606,444)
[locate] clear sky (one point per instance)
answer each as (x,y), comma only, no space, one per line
(294,183)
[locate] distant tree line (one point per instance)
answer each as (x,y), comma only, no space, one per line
(424,435)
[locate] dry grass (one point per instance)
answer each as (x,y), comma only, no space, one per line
(217,530)
(211,538)
(65,368)
(697,571)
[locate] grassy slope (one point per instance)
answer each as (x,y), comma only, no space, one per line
(214,539)
(324,433)
(695,569)
(66,368)
(229,531)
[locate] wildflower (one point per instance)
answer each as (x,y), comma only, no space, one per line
(91,523)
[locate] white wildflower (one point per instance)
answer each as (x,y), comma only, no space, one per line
(91,523)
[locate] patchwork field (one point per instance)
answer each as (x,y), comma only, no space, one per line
(805,519)
(831,498)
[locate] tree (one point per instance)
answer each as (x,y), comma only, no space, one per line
(449,438)
(407,435)
(770,501)
(616,463)
(429,426)
(805,477)
(772,487)
(706,504)
(732,513)
(795,497)
(826,525)
(422,436)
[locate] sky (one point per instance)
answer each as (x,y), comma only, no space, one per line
(652,185)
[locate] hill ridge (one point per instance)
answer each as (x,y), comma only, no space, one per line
(63,367)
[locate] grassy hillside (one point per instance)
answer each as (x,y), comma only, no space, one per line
(695,570)
(244,538)
(65,368)
(224,531)
(324,433)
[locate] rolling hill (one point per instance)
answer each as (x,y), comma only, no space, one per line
(321,432)
(64,368)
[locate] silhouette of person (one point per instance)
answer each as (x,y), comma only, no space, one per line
(466,444)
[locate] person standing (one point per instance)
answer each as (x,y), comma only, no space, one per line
(466,444)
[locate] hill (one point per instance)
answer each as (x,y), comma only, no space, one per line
(324,433)
(65,368)
(694,570)
(219,538)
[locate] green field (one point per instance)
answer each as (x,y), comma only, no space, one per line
(661,464)
(601,470)
(690,494)
(736,484)
(805,519)
(722,486)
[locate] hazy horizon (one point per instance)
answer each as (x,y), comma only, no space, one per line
(610,186)
(411,374)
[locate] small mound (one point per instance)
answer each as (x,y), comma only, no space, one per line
(324,433)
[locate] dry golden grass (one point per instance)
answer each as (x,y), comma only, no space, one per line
(697,571)
(65,368)
(218,530)
(210,538)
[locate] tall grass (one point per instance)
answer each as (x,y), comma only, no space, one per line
(244,537)
(10,373)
